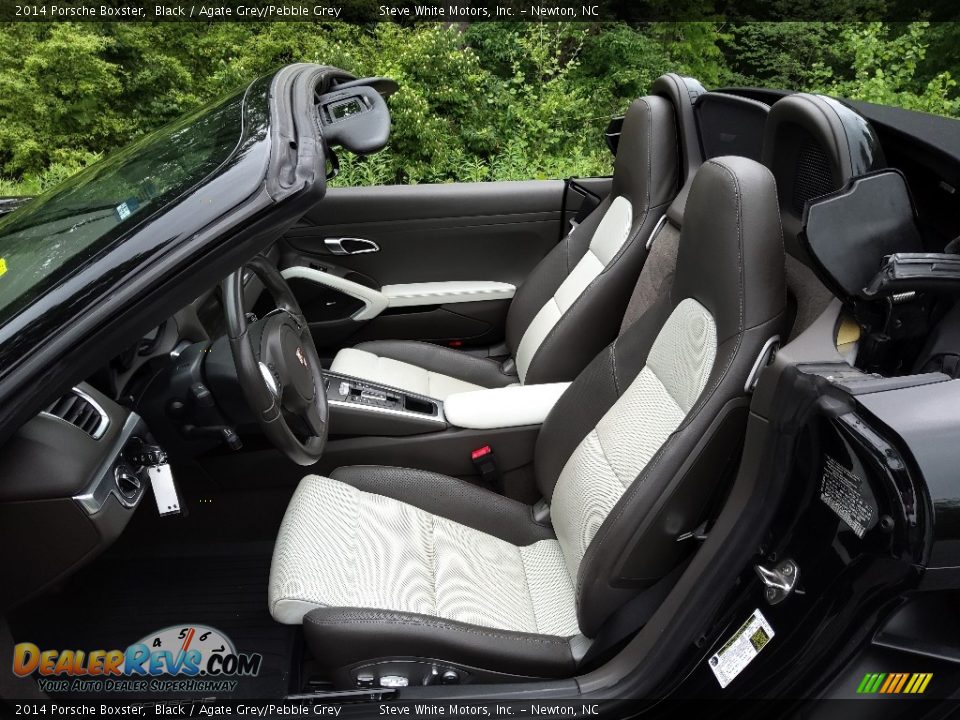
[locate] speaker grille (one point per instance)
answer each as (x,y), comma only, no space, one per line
(813,177)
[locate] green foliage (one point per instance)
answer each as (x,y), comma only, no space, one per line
(482,101)
(884,70)
(780,55)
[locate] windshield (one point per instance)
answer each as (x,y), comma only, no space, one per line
(49,238)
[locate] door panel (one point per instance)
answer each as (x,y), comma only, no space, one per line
(460,231)
(424,233)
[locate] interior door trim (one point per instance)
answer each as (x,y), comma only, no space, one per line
(374,301)
(405,295)
(447,293)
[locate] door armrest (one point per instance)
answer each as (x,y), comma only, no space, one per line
(446,293)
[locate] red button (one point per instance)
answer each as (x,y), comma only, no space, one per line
(480,452)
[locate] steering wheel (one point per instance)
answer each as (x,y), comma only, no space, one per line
(277,365)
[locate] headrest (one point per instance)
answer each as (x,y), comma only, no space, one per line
(730,125)
(645,169)
(730,257)
(815,145)
(682,92)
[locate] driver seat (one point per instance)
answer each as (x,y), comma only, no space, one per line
(393,568)
(570,305)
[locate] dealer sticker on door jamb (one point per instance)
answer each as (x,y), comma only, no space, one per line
(746,643)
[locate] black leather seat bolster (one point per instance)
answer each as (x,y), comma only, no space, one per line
(452,498)
(340,637)
(436,358)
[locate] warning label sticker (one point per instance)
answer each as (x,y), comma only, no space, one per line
(842,491)
(741,649)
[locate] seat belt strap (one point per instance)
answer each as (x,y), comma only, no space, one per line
(632,616)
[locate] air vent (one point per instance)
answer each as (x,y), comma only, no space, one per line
(82,411)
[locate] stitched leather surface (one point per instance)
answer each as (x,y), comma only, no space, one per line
(460,501)
(572,304)
(611,457)
(340,636)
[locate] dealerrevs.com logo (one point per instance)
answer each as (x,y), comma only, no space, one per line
(177,658)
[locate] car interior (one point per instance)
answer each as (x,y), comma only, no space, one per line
(445,434)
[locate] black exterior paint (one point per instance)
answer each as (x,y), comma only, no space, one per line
(275,174)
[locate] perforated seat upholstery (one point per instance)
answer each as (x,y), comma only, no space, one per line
(360,549)
(387,562)
(570,306)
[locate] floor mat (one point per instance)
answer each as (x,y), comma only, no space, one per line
(126,597)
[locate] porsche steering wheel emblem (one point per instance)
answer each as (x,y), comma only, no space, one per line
(302,357)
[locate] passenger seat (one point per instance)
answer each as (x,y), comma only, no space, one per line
(813,145)
(570,306)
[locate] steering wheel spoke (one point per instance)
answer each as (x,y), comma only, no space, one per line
(271,380)
(277,364)
(316,419)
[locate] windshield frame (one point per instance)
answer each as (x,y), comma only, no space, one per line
(108,168)
(276,177)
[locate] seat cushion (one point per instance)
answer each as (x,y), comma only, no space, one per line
(420,368)
(341,547)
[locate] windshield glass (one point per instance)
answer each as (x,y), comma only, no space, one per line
(50,237)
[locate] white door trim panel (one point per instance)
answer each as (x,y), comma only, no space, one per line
(405,295)
(374,301)
(446,293)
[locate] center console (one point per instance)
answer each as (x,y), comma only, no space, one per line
(361,407)
(374,424)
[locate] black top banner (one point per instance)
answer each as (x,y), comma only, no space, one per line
(466,709)
(466,11)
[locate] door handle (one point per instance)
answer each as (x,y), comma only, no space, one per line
(350,246)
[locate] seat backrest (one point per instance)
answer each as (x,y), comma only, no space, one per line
(726,125)
(571,304)
(814,145)
(730,125)
(629,456)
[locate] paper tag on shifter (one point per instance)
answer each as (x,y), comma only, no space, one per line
(164,489)
(746,643)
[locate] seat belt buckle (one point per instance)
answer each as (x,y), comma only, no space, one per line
(485,463)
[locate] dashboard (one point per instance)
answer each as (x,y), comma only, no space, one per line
(70,480)
(72,477)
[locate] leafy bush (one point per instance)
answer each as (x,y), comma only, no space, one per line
(483,101)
